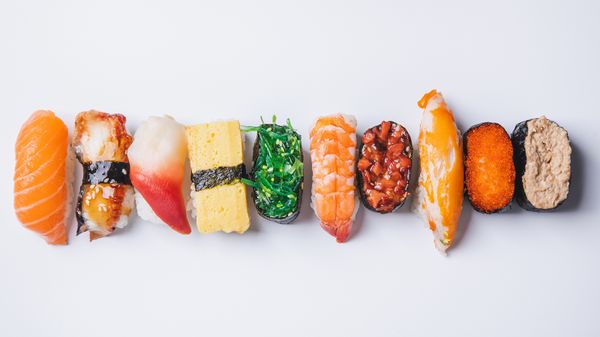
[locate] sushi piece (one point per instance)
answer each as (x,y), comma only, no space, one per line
(277,173)
(439,194)
(333,155)
(217,160)
(106,197)
(43,176)
(157,159)
(384,167)
(489,167)
(543,164)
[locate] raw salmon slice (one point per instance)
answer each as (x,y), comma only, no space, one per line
(41,188)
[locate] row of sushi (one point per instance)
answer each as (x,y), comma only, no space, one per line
(150,171)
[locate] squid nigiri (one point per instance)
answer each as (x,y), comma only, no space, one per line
(333,153)
(106,197)
(157,157)
(439,193)
(42,180)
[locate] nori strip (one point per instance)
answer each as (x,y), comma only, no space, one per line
(106,172)
(465,149)
(101,172)
(223,175)
(518,137)
(81,227)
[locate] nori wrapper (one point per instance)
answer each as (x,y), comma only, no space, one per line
(360,181)
(465,149)
(518,137)
(294,215)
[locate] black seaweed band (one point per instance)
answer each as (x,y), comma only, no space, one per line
(106,172)
(223,175)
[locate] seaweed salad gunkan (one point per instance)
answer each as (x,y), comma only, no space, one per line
(278,171)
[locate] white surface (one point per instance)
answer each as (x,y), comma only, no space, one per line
(512,274)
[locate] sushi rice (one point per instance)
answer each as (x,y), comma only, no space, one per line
(71,192)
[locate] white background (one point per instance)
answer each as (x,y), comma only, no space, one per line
(517,273)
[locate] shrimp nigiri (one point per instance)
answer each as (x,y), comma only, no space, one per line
(439,193)
(43,176)
(333,153)
(157,157)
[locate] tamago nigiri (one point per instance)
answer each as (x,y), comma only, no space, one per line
(333,155)
(439,194)
(43,176)
(157,158)
(216,152)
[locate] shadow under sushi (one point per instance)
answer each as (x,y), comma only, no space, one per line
(463,224)
(358,221)
(306,214)
(255,219)
(512,208)
(577,183)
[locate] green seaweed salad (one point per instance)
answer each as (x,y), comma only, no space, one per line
(278,170)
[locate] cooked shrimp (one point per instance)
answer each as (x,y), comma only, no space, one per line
(333,152)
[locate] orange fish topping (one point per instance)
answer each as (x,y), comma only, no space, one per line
(40,182)
(441,180)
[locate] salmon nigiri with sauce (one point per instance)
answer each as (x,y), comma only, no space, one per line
(439,193)
(333,153)
(43,168)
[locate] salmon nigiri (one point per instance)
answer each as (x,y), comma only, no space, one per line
(157,158)
(333,152)
(439,194)
(42,176)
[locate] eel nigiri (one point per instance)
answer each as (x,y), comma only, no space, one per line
(42,180)
(333,153)
(106,196)
(439,193)
(157,158)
